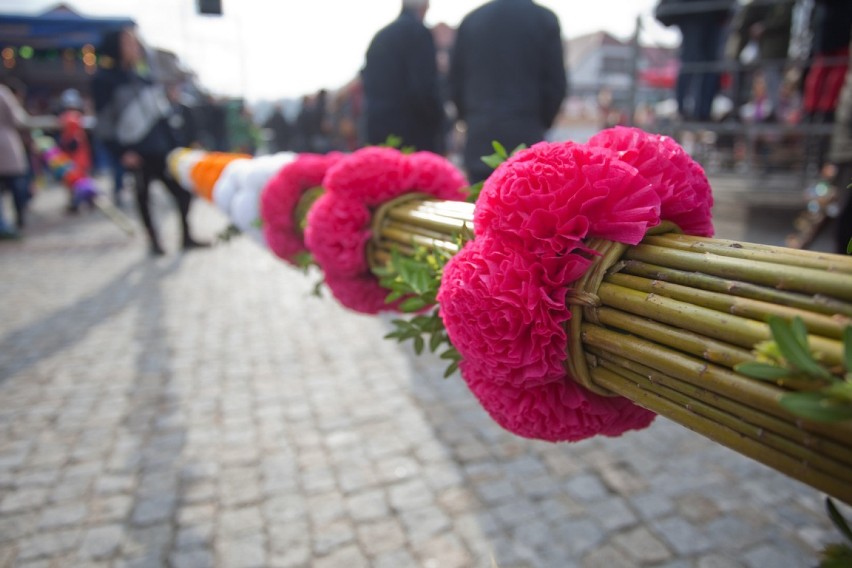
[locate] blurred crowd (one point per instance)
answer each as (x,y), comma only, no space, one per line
(502,76)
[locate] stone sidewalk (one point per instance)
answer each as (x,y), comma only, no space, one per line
(204,410)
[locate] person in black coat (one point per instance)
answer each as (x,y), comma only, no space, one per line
(507,77)
(133,116)
(400,78)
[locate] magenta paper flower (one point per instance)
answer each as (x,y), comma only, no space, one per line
(280,196)
(684,190)
(559,411)
(339,223)
(503,296)
(506,311)
(549,197)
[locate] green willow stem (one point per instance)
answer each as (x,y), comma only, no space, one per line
(828,449)
(695,344)
(745,307)
(783,277)
(750,251)
(725,436)
(816,303)
(717,325)
(759,395)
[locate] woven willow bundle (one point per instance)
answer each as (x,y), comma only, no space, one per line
(665,322)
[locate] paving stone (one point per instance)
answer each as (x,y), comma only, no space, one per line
(242,553)
(192,559)
(62,516)
(382,536)
(23,500)
(586,488)
(445,551)
(410,495)
(48,544)
(717,561)
(394,559)
(346,557)
(641,545)
(152,510)
(101,542)
(236,523)
(368,505)
(332,536)
(607,556)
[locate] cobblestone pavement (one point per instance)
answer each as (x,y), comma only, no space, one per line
(204,410)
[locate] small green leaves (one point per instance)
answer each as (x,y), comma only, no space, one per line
(792,339)
(762,371)
(228,233)
(394,141)
(492,161)
(820,394)
(849,247)
(816,406)
(837,555)
(413,281)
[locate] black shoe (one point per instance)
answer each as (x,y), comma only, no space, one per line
(9,235)
(190,244)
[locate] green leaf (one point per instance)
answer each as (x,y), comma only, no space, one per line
(816,406)
(474,191)
(418,345)
(518,148)
(492,161)
(392,141)
(796,353)
(500,150)
(836,556)
(451,354)
(838,520)
(451,369)
(800,331)
(849,247)
(847,349)
(412,304)
(435,342)
(762,371)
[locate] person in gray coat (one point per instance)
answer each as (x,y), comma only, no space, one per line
(507,77)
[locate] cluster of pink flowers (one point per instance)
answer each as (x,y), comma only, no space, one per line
(338,226)
(281,195)
(502,298)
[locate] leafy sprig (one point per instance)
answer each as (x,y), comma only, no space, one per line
(414,282)
(837,555)
(821,393)
(499,156)
(228,233)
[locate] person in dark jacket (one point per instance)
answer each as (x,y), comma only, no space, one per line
(840,155)
(702,24)
(507,77)
(281,130)
(133,115)
(400,79)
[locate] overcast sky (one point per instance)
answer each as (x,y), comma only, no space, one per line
(277,48)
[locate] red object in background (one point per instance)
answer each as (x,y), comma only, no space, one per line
(74,141)
(660,77)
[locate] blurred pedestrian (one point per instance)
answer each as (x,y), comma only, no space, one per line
(400,78)
(73,139)
(840,156)
(13,160)
(702,25)
(281,130)
(134,112)
(507,77)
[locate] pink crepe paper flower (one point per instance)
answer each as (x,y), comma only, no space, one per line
(684,190)
(547,198)
(339,223)
(280,196)
(559,411)
(502,297)
(506,310)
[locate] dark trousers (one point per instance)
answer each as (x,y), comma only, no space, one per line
(696,89)
(154,167)
(17,186)
(844,220)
